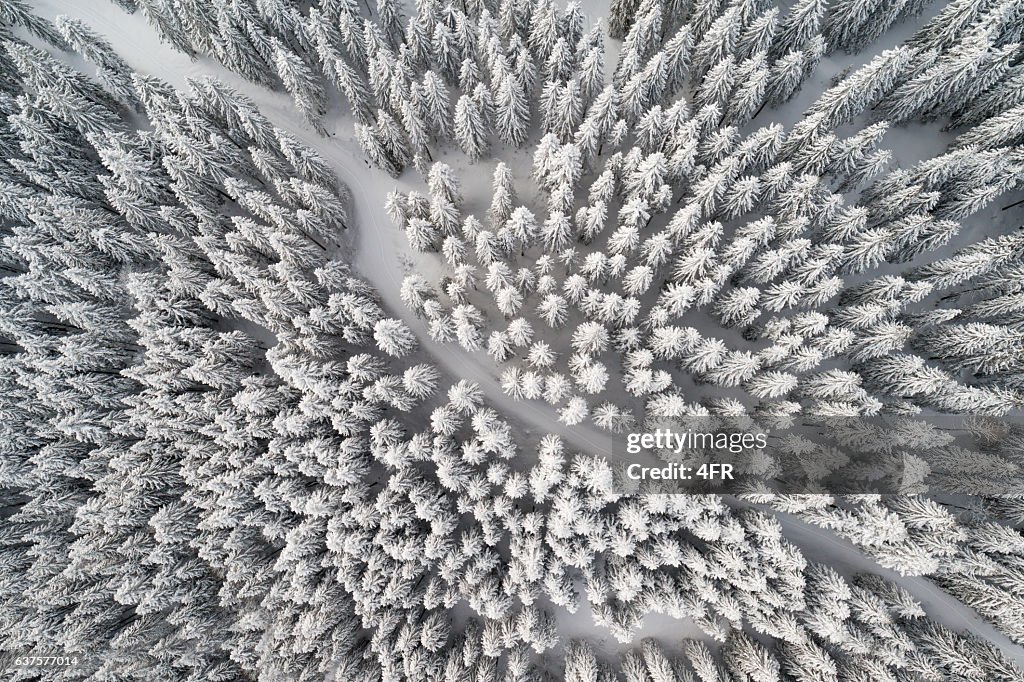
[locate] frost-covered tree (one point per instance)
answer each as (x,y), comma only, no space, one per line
(303,84)
(471,127)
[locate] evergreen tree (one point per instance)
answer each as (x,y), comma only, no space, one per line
(511,111)
(470,128)
(302,83)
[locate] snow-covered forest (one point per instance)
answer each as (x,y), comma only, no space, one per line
(321,321)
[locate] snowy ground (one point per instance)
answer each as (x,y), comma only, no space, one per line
(377,250)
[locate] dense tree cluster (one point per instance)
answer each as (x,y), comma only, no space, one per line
(746,224)
(223,458)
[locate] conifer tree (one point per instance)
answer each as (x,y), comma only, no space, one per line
(470,127)
(302,83)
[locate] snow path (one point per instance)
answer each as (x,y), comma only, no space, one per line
(377,257)
(376,250)
(822,546)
